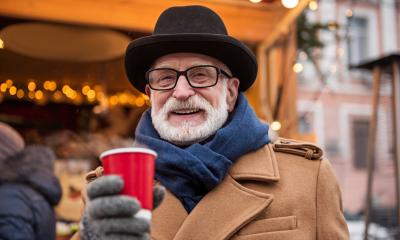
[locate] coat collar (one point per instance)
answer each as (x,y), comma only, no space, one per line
(225,209)
(260,165)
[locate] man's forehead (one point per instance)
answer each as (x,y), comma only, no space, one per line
(185,60)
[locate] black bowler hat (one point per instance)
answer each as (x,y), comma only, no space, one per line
(194,29)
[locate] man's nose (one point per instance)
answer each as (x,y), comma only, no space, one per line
(182,90)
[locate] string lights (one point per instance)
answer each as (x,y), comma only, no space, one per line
(51,91)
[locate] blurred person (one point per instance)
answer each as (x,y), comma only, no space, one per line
(224,177)
(28,189)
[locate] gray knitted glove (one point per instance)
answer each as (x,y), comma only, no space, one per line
(110,215)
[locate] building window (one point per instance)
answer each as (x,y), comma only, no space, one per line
(358,40)
(360,142)
(306,123)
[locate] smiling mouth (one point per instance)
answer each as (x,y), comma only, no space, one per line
(186,111)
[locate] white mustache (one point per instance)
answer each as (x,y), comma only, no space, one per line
(194,102)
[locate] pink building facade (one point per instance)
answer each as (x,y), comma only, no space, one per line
(338,108)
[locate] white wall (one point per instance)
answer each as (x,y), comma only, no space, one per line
(389,26)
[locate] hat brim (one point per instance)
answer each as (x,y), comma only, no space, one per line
(142,53)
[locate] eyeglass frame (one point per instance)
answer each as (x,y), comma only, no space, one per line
(184,73)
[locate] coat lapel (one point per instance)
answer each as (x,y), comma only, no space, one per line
(224,210)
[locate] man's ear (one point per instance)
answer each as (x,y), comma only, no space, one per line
(147,90)
(232,93)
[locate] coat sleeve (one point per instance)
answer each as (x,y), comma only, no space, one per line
(331,223)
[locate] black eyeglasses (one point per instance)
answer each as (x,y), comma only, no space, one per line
(201,76)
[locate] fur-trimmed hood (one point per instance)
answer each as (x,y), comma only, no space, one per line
(33,166)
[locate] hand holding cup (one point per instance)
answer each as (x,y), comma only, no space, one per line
(115,208)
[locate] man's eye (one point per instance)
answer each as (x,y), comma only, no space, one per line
(166,78)
(198,74)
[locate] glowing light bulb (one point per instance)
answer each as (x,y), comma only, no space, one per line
(313,5)
(290,3)
(3,87)
(9,83)
(46,85)
(31,86)
(53,86)
(91,94)
(139,102)
(132,100)
(85,89)
(276,126)
(113,100)
(145,97)
(1,44)
(298,68)
(73,95)
(20,93)
(123,98)
(39,95)
(65,89)
(255,1)
(13,90)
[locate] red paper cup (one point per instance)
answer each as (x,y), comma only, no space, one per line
(136,167)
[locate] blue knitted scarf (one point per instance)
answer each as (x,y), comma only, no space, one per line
(191,172)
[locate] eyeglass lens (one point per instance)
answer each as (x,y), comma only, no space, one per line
(199,76)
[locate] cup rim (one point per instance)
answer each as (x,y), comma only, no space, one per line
(127,150)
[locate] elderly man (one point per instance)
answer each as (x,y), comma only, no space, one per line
(223,176)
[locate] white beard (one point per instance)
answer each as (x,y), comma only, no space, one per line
(187,133)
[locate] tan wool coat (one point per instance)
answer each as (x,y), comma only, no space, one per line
(273,193)
(282,191)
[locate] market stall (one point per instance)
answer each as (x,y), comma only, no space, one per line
(62,81)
